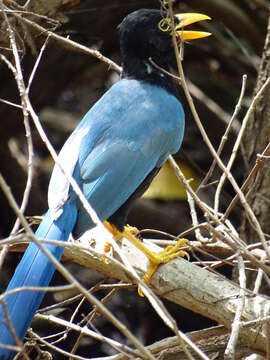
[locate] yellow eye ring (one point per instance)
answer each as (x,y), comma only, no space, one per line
(164,25)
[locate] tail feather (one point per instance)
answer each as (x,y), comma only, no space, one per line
(35,269)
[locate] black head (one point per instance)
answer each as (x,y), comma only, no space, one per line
(146,34)
(141,36)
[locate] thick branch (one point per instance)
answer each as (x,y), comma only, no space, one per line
(187,285)
(212,341)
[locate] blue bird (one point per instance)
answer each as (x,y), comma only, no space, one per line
(113,154)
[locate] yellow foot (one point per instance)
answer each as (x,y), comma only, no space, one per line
(117,236)
(108,246)
(155,259)
(169,253)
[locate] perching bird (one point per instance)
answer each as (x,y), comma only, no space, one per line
(113,154)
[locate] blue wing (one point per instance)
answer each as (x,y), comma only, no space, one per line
(129,132)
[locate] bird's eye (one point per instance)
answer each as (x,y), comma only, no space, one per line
(164,25)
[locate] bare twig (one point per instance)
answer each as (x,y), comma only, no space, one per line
(194,218)
(70,44)
(57,349)
(260,274)
(202,97)
(239,139)
(258,165)
(87,332)
(231,346)
(17,72)
(31,77)
(11,103)
(232,123)
(91,317)
(225,136)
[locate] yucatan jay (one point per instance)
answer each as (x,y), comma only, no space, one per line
(113,154)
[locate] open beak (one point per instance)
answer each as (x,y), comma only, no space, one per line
(188,19)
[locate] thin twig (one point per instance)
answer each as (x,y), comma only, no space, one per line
(231,346)
(30,13)
(70,44)
(87,332)
(91,316)
(194,218)
(237,244)
(225,136)
(17,73)
(258,165)
(260,274)
(55,348)
(36,288)
(239,139)
(187,352)
(33,72)
(11,103)
(202,97)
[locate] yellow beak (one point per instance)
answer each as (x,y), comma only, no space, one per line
(188,19)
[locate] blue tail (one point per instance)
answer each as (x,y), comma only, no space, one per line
(35,269)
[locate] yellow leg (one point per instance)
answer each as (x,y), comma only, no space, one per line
(155,259)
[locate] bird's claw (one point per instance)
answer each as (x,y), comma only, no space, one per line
(155,259)
(169,253)
(174,251)
(118,234)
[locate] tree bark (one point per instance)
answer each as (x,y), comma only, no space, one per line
(256,137)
